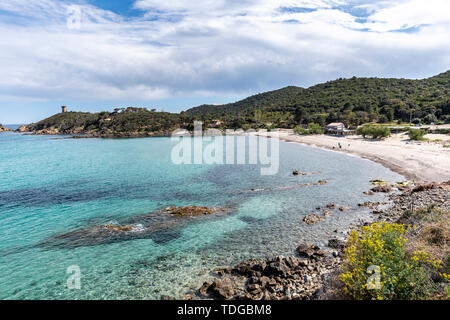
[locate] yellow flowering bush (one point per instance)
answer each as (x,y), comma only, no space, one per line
(376,265)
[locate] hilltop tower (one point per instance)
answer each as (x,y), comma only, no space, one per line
(64,109)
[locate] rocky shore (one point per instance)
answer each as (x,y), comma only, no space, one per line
(3,129)
(311,273)
(95,134)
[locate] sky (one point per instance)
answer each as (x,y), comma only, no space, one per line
(95,55)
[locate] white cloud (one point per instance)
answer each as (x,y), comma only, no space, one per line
(213,46)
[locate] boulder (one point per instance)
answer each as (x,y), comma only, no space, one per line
(308,251)
(327,213)
(3,129)
(382,188)
(222,289)
(337,244)
(312,219)
(22,128)
(425,187)
(204,288)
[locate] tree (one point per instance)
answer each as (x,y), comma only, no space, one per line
(300,114)
(375,132)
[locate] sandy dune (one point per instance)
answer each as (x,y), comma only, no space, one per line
(418,161)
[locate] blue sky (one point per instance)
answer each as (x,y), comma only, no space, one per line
(95,55)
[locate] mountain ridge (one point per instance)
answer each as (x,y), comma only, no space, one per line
(353,101)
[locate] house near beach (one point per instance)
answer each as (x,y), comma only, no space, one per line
(338,128)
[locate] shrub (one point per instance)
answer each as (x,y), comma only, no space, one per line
(300,130)
(313,128)
(375,132)
(430,118)
(416,134)
(376,265)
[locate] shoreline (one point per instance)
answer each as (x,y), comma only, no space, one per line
(422,163)
(311,272)
(389,165)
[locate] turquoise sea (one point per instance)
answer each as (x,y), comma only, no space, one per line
(50,186)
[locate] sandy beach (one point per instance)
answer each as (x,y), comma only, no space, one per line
(422,162)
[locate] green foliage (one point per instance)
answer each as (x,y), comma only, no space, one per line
(129,120)
(352,101)
(416,134)
(375,132)
(313,128)
(377,266)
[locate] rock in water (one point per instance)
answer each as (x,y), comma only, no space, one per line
(385,189)
(22,128)
(312,219)
(3,129)
(190,211)
(148,226)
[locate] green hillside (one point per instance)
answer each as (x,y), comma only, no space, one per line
(123,121)
(353,101)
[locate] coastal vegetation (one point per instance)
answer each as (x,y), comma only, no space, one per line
(404,258)
(378,266)
(416,134)
(375,132)
(313,128)
(354,102)
(139,121)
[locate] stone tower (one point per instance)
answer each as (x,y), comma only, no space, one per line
(64,109)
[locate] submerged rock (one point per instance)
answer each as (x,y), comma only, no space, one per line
(312,219)
(189,211)
(159,225)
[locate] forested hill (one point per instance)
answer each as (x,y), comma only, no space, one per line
(121,122)
(353,101)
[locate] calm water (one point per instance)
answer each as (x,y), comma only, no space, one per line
(50,186)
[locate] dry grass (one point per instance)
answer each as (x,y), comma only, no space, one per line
(431,234)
